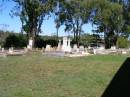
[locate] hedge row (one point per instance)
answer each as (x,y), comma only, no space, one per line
(20,41)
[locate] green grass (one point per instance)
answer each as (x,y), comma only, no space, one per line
(41,76)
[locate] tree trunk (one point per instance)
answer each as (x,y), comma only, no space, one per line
(74,32)
(116,41)
(77,32)
(74,36)
(57,32)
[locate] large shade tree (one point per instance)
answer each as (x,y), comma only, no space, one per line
(109,20)
(108,15)
(74,14)
(32,13)
(126,17)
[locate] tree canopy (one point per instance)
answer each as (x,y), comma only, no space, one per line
(111,17)
(32,14)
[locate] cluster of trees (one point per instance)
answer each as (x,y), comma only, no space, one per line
(3,36)
(15,40)
(18,40)
(111,17)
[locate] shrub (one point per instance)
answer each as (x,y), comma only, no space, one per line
(122,42)
(39,42)
(52,42)
(17,41)
(20,41)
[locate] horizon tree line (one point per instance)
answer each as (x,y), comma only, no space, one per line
(111,17)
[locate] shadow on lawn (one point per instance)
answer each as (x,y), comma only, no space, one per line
(120,84)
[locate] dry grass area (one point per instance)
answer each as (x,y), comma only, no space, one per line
(35,75)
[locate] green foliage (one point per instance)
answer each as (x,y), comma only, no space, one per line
(3,36)
(32,13)
(109,20)
(112,17)
(17,41)
(20,41)
(86,39)
(52,42)
(122,42)
(41,42)
(74,14)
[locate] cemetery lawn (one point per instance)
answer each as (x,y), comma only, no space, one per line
(35,75)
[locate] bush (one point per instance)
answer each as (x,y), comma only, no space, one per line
(52,42)
(73,42)
(85,44)
(122,42)
(17,41)
(39,42)
(20,41)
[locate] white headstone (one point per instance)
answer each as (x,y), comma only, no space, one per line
(59,46)
(10,50)
(3,49)
(124,52)
(69,46)
(113,48)
(101,48)
(64,46)
(75,48)
(81,48)
(25,49)
(48,48)
(89,47)
(30,44)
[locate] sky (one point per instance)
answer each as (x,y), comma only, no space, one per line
(14,24)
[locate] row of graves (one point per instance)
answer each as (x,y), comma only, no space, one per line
(112,50)
(12,52)
(64,50)
(4,52)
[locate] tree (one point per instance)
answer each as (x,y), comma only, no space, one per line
(109,19)
(126,17)
(32,13)
(15,40)
(57,22)
(87,39)
(122,42)
(74,14)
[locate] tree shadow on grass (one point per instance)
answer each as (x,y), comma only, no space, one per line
(120,84)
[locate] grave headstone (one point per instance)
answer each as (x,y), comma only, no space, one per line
(81,48)
(48,48)
(30,44)
(59,46)
(101,48)
(11,50)
(68,46)
(25,49)
(113,48)
(3,49)
(75,48)
(64,46)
